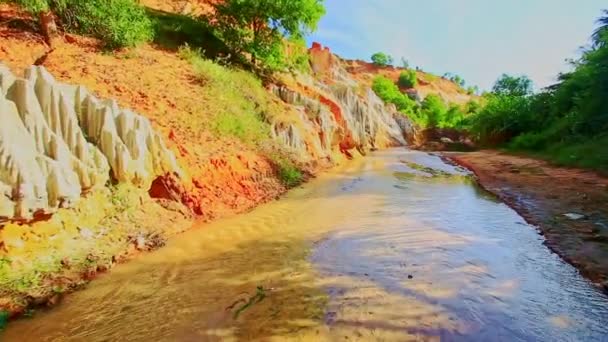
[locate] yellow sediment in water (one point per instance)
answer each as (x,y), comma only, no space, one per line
(205,276)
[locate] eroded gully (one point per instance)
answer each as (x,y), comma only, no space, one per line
(396,246)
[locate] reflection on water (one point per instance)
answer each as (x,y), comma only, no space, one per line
(438,257)
(399,246)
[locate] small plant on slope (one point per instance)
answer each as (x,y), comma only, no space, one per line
(408,79)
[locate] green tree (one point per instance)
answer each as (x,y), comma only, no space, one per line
(256,28)
(405,63)
(454,78)
(382,59)
(458,80)
(408,79)
(513,86)
(602,29)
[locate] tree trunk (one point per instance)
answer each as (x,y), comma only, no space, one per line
(49,28)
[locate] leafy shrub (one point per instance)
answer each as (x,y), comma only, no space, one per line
(4,316)
(502,118)
(472,107)
(408,79)
(33,6)
(173,30)
(118,23)
(297,57)
(388,91)
(454,117)
(582,152)
(187,53)
(289,174)
(433,111)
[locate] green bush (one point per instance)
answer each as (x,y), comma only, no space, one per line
(4,316)
(33,6)
(408,79)
(454,117)
(289,174)
(388,91)
(502,118)
(582,152)
(118,23)
(433,111)
(173,30)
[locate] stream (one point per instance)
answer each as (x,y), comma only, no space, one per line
(396,246)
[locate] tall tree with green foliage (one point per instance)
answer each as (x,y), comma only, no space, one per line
(513,85)
(566,122)
(382,59)
(257,28)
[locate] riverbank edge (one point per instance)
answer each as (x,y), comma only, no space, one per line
(550,241)
(75,277)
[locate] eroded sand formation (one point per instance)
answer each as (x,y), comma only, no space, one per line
(58,141)
(335,114)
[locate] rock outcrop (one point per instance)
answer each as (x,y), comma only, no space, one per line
(335,114)
(58,141)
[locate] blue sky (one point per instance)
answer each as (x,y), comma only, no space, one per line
(477,39)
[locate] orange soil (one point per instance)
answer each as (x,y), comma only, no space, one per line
(542,194)
(228,176)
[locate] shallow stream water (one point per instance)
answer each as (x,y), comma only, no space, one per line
(397,246)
